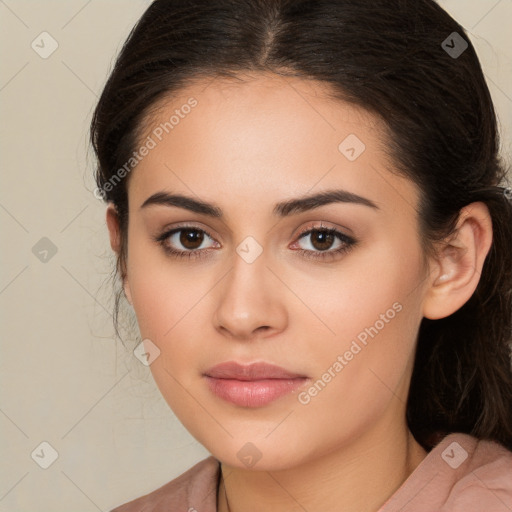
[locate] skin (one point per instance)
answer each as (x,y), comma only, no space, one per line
(247,145)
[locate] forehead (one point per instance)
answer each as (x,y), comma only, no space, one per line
(273,101)
(265,136)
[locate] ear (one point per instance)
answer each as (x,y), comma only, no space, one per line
(114,231)
(458,265)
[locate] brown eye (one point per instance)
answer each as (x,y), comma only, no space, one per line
(185,242)
(322,239)
(191,238)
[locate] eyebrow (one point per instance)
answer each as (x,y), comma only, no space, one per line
(282,209)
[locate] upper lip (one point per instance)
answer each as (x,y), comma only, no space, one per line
(254,371)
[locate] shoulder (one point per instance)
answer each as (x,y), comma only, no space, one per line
(194,489)
(460,474)
(484,478)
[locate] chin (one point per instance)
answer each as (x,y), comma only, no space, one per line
(258,455)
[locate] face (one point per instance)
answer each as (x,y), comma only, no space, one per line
(331,291)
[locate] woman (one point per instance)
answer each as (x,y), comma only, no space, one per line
(306,202)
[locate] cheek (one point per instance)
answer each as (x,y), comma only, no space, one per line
(160,290)
(167,306)
(352,296)
(168,299)
(368,313)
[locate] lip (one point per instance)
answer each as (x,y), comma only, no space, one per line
(253,371)
(253,385)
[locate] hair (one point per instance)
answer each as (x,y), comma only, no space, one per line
(387,57)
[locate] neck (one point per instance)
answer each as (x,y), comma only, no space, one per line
(358,477)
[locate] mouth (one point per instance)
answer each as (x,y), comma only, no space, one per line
(253,385)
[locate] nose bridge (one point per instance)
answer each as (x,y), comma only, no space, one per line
(250,258)
(247,279)
(249,298)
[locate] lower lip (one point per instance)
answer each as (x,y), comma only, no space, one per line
(252,393)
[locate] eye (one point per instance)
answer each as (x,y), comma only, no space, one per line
(189,237)
(322,239)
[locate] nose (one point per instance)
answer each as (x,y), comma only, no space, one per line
(250,300)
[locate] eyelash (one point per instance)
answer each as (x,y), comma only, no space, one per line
(348,244)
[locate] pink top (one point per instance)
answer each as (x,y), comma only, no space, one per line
(460,474)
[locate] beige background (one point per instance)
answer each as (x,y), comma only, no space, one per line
(64,380)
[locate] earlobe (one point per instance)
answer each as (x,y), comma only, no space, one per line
(459,263)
